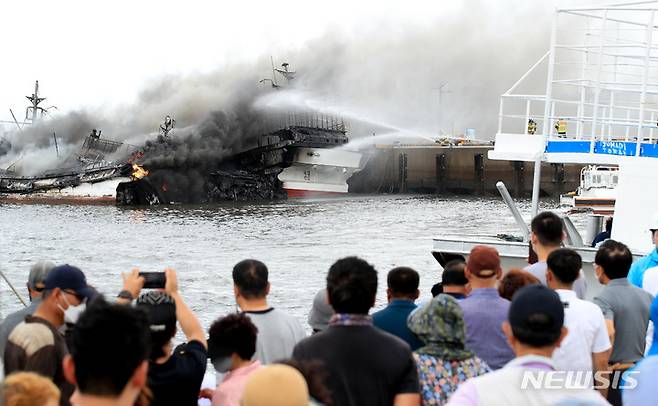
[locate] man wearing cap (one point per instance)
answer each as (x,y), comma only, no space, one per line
(175,376)
(484,309)
(35,285)
(534,330)
(644,272)
(36,344)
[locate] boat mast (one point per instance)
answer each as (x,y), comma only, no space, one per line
(35,100)
(34,108)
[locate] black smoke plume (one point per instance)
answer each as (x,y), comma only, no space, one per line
(379,74)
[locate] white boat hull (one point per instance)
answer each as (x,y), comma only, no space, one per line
(97,192)
(515,255)
(320,171)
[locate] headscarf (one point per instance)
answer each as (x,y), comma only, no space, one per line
(440,325)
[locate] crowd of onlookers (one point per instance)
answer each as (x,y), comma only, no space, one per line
(487,337)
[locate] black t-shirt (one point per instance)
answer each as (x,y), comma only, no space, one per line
(177,381)
(366,366)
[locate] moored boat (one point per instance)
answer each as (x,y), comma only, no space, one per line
(603,117)
(597,191)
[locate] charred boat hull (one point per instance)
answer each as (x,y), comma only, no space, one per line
(87,184)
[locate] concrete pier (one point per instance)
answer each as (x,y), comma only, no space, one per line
(456,169)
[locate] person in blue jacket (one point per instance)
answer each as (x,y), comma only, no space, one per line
(653,315)
(644,272)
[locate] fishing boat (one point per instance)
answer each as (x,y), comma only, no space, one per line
(598,108)
(84,177)
(317,164)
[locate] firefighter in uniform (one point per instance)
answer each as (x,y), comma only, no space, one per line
(532,127)
(561,128)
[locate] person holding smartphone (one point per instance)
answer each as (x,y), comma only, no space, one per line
(175,376)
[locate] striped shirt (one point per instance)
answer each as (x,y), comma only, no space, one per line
(35,345)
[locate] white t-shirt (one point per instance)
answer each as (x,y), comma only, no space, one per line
(278,333)
(587,334)
(650,280)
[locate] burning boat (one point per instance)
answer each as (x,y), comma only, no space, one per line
(84,177)
(303,159)
(300,160)
(316,163)
(299,155)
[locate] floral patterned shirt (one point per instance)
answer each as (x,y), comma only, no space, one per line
(439,379)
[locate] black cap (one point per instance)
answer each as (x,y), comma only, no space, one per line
(70,278)
(537,308)
(161,310)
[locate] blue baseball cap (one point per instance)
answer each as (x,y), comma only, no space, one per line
(537,308)
(71,278)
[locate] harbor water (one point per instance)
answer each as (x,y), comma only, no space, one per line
(297,239)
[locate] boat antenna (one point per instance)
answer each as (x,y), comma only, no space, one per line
(16,121)
(273,75)
(285,72)
(272,80)
(56,146)
(13,288)
(34,109)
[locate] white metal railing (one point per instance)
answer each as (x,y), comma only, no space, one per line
(602,78)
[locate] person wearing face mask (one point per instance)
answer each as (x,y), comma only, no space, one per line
(231,346)
(174,377)
(35,285)
(36,344)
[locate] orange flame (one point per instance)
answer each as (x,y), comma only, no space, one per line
(139,172)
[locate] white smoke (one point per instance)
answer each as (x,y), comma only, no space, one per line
(382,75)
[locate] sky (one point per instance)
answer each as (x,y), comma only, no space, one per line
(95,52)
(103,55)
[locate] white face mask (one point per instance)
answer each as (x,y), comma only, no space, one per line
(72,313)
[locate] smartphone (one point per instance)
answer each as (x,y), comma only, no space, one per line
(153,280)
